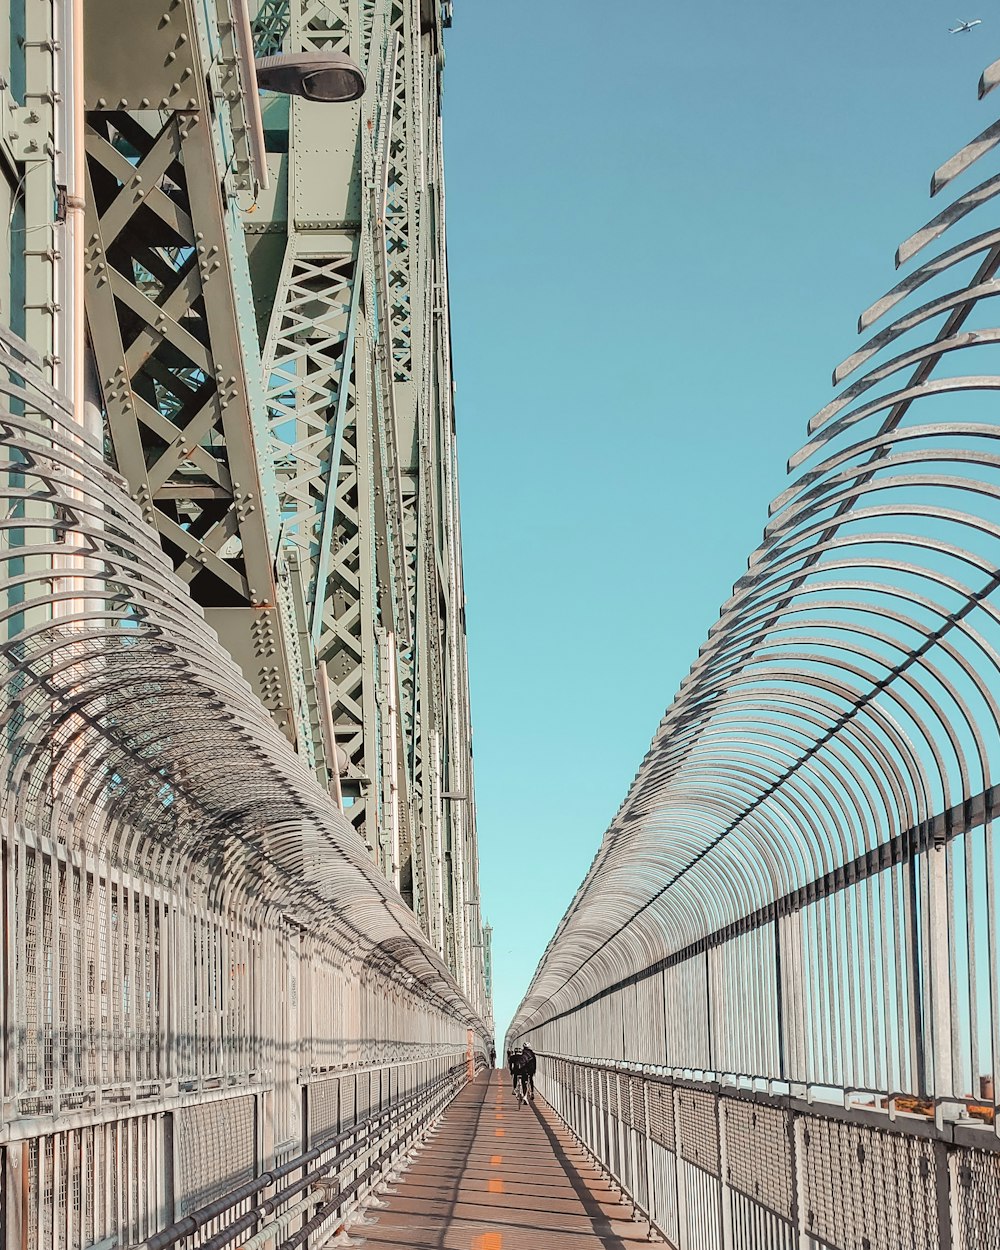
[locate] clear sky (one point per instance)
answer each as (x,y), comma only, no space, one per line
(663,222)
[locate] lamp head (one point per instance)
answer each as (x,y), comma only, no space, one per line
(327,77)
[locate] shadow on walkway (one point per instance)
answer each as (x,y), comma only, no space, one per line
(498,1176)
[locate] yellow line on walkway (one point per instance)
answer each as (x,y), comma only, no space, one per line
(495,1186)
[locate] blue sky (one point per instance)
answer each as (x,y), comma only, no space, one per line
(663,222)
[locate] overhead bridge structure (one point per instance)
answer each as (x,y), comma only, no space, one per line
(242,959)
(772,1009)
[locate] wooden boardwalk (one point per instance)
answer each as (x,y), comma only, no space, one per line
(499,1176)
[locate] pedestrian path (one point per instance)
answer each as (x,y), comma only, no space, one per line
(499,1176)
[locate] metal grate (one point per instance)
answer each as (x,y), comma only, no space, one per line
(364,1095)
(625,1094)
(216,1150)
(638,1104)
(611,1085)
(661,1114)
(759,1159)
(868,1190)
(977,1184)
(699,1129)
(324,1109)
(348,1101)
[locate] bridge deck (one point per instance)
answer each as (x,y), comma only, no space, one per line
(499,1176)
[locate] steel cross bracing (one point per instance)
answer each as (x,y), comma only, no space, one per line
(351,287)
(773,1007)
(170,316)
(272,348)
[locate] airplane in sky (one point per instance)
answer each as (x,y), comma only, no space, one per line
(963,28)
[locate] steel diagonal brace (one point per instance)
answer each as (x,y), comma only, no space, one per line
(140,184)
(333,477)
(204,397)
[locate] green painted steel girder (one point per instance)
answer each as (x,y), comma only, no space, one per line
(171,321)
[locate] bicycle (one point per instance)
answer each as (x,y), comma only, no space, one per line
(524,1090)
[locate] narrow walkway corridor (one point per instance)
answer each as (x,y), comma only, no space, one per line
(499,1176)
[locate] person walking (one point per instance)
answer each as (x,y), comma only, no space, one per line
(493,1056)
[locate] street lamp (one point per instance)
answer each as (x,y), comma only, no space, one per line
(326,77)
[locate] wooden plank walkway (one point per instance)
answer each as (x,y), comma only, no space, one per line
(499,1176)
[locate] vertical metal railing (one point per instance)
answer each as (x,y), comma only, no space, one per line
(205,980)
(709,1165)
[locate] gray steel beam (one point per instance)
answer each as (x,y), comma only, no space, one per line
(168,301)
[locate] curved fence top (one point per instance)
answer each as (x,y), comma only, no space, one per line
(841,714)
(129,730)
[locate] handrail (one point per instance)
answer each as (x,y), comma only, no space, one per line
(195,1220)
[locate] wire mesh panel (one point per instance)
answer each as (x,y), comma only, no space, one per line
(661,1114)
(611,1094)
(639,1104)
(363,1086)
(976,1180)
(324,1109)
(698,1128)
(760,1174)
(216,1150)
(759,1158)
(625,1101)
(348,1101)
(867,1189)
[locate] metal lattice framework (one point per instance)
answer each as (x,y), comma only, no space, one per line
(352,292)
(266,294)
(170,307)
(798,894)
(220,1014)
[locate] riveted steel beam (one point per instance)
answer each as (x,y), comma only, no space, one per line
(169,314)
(358,380)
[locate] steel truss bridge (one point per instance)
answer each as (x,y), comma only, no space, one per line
(243,967)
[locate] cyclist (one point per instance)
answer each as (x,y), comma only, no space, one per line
(512,1058)
(527,1064)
